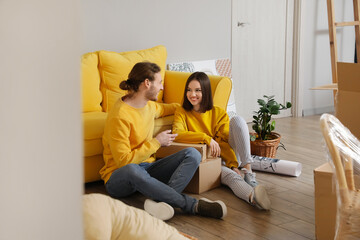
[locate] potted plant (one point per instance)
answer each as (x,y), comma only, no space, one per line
(264,142)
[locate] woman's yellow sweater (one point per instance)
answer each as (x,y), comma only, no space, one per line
(128,135)
(194,127)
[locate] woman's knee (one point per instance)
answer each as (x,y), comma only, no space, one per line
(226,175)
(237,121)
(229,177)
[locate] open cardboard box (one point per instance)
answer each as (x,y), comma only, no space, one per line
(348,96)
(208,174)
(347,108)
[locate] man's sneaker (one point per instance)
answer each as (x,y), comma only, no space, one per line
(260,198)
(214,209)
(250,178)
(160,210)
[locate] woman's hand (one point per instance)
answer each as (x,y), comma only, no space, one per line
(214,148)
(237,171)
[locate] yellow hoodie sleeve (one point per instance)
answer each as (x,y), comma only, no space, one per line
(222,126)
(184,135)
(165,109)
(119,142)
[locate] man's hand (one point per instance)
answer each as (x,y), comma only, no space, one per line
(165,138)
(214,148)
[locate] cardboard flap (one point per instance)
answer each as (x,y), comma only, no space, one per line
(349,76)
(348,96)
(332,86)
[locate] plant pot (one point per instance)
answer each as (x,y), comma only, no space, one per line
(265,148)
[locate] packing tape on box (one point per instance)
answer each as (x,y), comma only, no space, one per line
(277,166)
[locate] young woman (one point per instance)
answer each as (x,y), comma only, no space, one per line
(198,121)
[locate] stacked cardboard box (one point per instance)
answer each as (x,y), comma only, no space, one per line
(207,176)
(175,147)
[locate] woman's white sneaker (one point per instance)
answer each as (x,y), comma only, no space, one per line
(260,198)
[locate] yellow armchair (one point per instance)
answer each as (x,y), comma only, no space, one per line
(102,71)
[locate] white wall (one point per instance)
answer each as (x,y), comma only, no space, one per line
(315,66)
(190,30)
(199,30)
(40,122)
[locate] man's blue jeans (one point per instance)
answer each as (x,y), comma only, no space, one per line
(163,180)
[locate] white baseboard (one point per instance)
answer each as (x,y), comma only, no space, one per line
(315,111)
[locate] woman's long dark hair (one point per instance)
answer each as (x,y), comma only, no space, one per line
(207,100)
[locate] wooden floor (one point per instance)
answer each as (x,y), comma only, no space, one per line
(292,211)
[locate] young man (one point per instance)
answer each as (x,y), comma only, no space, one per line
(129,149)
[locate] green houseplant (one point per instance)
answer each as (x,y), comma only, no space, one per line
(264,127)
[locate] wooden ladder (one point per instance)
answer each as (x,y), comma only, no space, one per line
(332,37)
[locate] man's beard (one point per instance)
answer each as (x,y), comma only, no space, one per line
(152,94)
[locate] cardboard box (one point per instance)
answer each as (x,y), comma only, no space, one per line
(347,110)
(325,202)
(208,174)
(175,147)
(348,96)
(206,177)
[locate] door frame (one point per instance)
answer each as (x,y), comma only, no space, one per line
(292,53)
(297,84)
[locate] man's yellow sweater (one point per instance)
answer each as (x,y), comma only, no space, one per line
(128,135)
(194,127)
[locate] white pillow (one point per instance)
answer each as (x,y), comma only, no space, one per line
(223,67)
(208,67)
